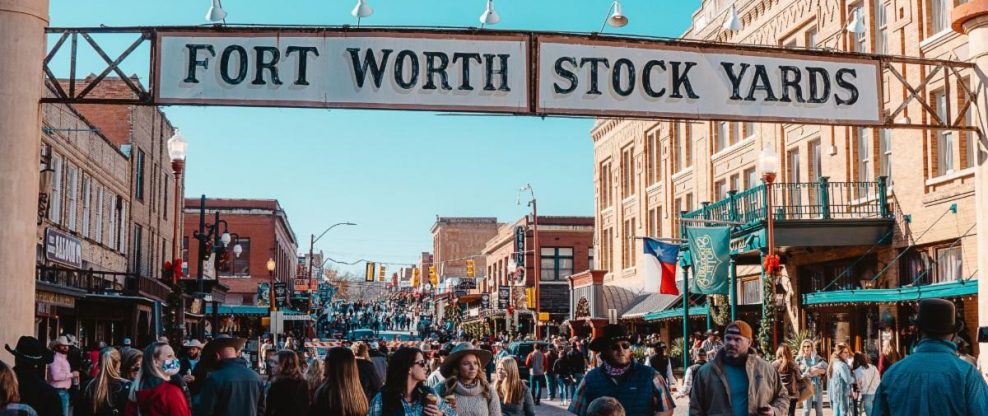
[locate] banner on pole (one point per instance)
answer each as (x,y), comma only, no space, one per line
(711,253)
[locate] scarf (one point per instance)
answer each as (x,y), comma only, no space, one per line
(612,371)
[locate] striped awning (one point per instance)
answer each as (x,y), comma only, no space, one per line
(901,294)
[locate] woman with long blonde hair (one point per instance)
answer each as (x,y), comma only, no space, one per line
(106,395)
(840,380)
(314,374)
(789,372)
(340,393)
(516,397)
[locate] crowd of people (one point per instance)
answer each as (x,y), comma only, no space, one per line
(382,315)
(595,376)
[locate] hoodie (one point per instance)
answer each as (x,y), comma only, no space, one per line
(165,399)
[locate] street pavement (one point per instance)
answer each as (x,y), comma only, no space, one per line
(554,408)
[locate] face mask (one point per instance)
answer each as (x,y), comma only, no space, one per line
(171,367)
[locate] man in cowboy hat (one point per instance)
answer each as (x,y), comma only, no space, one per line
(60,373)
(638,387)
(933,380)
(736,382)
(712,344)
(193,351)
(232,389)
(30,358)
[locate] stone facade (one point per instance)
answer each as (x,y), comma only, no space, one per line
(457,239)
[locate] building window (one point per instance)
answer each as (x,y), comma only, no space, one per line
(100,210)
(940,15)
(653,222)
(735,184)
(749,129)
(915,268)
(811,36)
(793,167)
(122,237)
(138,248)
(628,241)
(968,143)
(750,178)
(164,198)
(653,155)
(949,267)
(751,292)
(628,172)
(606,192)
(185,250)
(237,266)
(557,263)
(87,203)
(55,206)
(863,154)
(111,232)
(721,136)
(720,190)
(881,27)
(858,42)
(72,177)
(139,172)
(677,223)
(590,263)
(945,139)
(885,150)
(606,249)
(816,162)
(682,152)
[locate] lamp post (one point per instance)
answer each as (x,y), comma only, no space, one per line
(536,254)
(216,241)
(312,246)
(768,164)
(177,148)
(273,304)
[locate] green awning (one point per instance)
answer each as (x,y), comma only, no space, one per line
(240,310)
(901,294)
(695,310)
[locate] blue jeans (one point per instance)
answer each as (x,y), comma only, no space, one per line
(815,401)
(571,388)
(867,403)
(537,383)
(553,385)
(63,395)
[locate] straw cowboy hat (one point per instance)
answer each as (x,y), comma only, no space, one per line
(193,343)
(62,340)
(459,351)
(31,350)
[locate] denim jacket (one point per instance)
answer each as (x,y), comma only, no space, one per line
(806,363)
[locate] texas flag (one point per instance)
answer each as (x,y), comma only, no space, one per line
(660,267)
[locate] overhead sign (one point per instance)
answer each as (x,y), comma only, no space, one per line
(393,70)
(503,297)
(281,294)
(513,72)
(520,245)
(63,248)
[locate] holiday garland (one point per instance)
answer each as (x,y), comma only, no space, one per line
(721,309)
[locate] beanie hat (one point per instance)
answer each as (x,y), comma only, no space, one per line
(739,328)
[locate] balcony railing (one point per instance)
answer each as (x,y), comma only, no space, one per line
(102,282)
(822,200)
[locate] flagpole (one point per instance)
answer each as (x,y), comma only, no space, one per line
(733,292)
(686,299)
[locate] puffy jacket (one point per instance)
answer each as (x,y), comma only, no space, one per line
(165,399)
(711,393)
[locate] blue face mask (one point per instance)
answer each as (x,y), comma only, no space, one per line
(171,367)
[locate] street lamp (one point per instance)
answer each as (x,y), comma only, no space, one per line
(216,13)
(361,10)
(768,164)
(536,252)
(733,22)
(614,17)
(490,17)
(271,266)
(211,233)
(177,149)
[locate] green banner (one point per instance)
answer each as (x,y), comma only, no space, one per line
(711,254)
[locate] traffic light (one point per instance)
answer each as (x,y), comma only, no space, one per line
(381,272)
(415,277)
(369,273)
(530,297)
(471,269)
(433,277)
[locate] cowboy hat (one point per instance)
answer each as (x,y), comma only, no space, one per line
(193,343)
(31,350)
(62,340)
(222,341)
(937,317)
(611,333)
(459,351)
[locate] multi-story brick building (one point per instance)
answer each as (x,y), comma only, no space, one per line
(263,233)
(454,241)
(869,220)
(565,246)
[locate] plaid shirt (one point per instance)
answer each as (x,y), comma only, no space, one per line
(660,392)
(410,409)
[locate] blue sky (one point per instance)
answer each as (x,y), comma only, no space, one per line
(390,172)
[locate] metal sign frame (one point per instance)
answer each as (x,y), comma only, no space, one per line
(76,90)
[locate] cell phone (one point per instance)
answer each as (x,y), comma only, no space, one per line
(764,409)
(983,334)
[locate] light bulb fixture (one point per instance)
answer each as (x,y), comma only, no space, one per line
(361,10)
(271,265)
(768,162)
(856,25)
(489,17)
(237,250)
(614,17)
(225,239)
(216,14)
(177,146)
(733,22)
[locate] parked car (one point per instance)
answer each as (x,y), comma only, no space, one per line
(520,350)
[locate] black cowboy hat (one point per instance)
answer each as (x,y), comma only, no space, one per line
(31,350)
(937,317)
(610,334)
(222,341)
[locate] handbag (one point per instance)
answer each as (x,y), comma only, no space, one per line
(806,389)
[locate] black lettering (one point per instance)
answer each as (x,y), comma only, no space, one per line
(502,71)
(400,69)
(432,68)
(369,62)
(271,66)
(465,68)
(594,62)
(818,96)
(616,77)
(567,75)
(791,77)
(194,61)
(735,79)
(303,58)
(847,85)
(647,79)
(681,79)
(760,82)
(225,64)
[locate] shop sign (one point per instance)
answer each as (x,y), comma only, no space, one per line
(503,297)
(264,294)
(520,246)
(281,294)
(301,285)
(55,299)
(63,248)
(485,301)
(543,316)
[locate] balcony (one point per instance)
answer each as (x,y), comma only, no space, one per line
(82,282)
(806,214)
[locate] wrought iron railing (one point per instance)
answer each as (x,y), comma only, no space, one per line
(822,200)
(102,282)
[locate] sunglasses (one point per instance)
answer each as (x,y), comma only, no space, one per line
(420,363)
(618,346)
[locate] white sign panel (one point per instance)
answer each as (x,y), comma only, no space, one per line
(422,71)
(580,76)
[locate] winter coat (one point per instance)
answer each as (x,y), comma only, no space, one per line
(231,390)
(369,379)
(790,378)
(710,393)
(526,407)
(470,401)
(287,397)
(839,387)
(37,393)
(165,399)
(117,397)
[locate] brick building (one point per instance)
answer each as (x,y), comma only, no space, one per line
(264,233)
(566,247)
(898,226)
(454,241)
